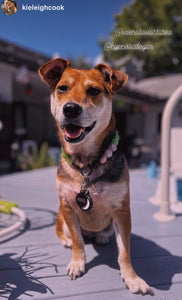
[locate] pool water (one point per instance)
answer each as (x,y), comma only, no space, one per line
(179,189)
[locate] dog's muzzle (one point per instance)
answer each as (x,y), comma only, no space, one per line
(74,133)
(72,110)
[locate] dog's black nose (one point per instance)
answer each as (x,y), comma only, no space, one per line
(72,110)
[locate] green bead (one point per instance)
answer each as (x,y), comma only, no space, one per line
(66,157)
(115,140)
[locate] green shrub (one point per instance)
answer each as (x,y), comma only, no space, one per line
(37,159)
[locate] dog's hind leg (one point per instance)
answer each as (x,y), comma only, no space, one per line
(62,230)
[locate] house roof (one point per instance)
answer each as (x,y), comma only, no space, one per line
(18,56)
(160,87)
(154,89)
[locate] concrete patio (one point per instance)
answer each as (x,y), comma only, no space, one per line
(33,263)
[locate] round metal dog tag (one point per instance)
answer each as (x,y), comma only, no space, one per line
(84,201)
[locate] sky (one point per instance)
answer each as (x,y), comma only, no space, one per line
(72,32)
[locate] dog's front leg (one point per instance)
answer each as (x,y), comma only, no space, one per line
(122,226)
(76,266)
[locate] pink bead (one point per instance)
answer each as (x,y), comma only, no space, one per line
(110,148)
(103,159)
(108,153)
(113,147)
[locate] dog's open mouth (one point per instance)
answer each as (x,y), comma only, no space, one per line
(74,133)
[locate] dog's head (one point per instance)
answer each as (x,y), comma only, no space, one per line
(81,100)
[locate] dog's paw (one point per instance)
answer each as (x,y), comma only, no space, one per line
(76,268)
(138,286)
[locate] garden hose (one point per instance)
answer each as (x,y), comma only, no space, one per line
(12,208)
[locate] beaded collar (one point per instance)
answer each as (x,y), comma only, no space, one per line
(107,154)
(83,198)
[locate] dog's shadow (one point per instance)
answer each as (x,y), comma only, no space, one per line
(154,264)
(16,281)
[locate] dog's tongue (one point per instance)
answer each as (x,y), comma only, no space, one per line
(73,131)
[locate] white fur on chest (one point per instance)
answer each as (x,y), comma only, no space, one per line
(114,194)
(102,194)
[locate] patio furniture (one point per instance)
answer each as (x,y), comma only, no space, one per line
(28,146)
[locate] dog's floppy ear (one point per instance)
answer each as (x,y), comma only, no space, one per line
(52,71)
(115,78)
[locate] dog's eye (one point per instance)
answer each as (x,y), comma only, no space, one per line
(93,91)
(62,89)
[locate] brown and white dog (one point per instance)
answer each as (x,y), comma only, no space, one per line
(81,103)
